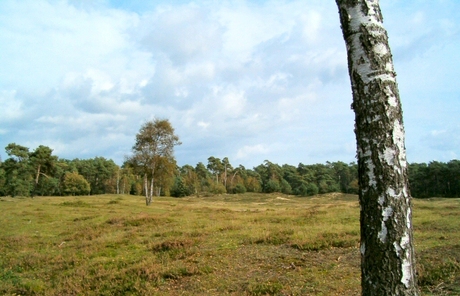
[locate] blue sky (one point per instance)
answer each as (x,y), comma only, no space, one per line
(247,80)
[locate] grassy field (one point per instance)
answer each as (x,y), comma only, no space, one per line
(250,244)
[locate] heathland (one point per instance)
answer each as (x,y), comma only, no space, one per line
(240,244)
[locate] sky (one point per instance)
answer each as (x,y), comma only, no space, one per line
(245,79)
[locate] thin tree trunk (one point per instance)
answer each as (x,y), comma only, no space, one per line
(151,188)
(37,178)
(118,181)
(225,176)
(146,189)
(387,251)
(233,177)
(38,174)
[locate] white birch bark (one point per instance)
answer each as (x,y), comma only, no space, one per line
(151,190)
(118,181)
(387,252)
(146,189)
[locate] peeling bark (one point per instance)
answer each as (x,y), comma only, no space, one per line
(387,251)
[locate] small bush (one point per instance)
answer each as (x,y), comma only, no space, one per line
(306,189)
(10,276)
(267,288)
(433,273)
(178,189)
(178,273)
(272,186)
(218,188)
(239,189)
(78,203)
(311,246)
(276,238)
(171,245)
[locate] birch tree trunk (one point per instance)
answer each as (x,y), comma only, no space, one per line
(387,251)
(146,189)
(118,181)
(151,190)
(37,178)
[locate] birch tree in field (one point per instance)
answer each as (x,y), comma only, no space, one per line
(387,250)
(154,146)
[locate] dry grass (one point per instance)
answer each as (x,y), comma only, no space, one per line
(250,244)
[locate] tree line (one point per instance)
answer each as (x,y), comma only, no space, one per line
(435,179)
(220,176)
(40,173)
(151,170)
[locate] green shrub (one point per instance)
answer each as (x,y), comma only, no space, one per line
(267,288)
(239,189)
(179,189)
(75,184)
(285,187)
(272,186)
(217,188)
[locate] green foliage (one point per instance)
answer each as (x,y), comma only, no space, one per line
(270,175)
(179,189)
(126,179)
(39,172)
(78,203)
(18,172)
(153,157)
(190,180)
(18,178)
(435,179)
(239,189)
(99,172)
(252,182)
(311,189)
(306,189)
(48,187)
(307,180)
(2,180)
(272,186)
(43,165)
(30,173)
(434,273)
(17,152)
(215,166)
(217,188)
(264,288)
(75,184)
(285,187)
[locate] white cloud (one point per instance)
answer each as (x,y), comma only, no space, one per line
(243,79)
(43,40)
(85,122)
(312,22)
(443,140)
(232,102)
(182,34)
(10,106)
(248,151)
(292,109)
(203,124)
